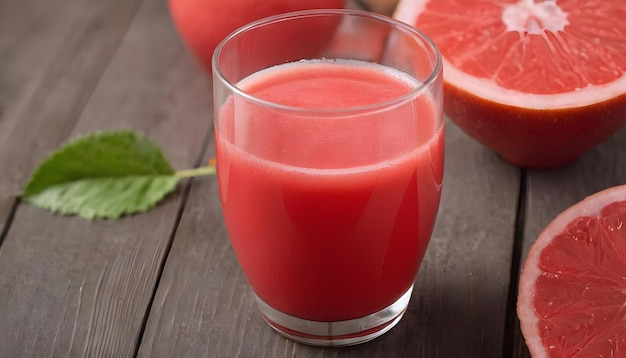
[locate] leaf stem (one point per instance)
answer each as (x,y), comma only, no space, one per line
(190,173)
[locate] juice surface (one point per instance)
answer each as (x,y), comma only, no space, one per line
(329,215)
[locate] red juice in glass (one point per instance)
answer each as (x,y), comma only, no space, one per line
(329,216)
(330,165)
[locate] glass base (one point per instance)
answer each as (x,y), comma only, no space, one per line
(340,333)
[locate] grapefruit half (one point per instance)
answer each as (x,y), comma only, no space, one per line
(572,290)
(540,82)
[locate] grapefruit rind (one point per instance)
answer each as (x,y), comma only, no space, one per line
(488,89)
(529,321)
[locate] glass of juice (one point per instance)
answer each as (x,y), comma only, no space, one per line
(329,134)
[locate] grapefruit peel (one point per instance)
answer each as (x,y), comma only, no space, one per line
(539,82)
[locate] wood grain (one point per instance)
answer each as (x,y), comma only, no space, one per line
(30,40)
(70,287)
(552,191)
(52,65)
(204,307)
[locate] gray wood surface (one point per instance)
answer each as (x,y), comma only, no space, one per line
(52,56)
(70,287)
(204,308)
(551,192)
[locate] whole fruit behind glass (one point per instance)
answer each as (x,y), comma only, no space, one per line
(202,24)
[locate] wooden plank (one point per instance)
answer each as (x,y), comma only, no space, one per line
(48,69)
(204,307)
(71,287)
(29,42)
(552,191)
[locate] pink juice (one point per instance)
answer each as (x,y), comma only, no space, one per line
(329,215)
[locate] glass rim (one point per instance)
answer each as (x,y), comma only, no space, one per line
(434,73)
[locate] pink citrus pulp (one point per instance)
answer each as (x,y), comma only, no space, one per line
(572,290)
(540,82)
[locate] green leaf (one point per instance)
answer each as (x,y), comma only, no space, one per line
(103,175)
(107,198)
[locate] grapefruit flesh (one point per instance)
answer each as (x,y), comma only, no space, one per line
(539,82)
(572,291)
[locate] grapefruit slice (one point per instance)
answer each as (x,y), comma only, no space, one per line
(572,290)
(540,82)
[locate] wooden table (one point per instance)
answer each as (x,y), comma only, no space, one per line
(166,283)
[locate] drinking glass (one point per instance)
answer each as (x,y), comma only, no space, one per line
(329,134)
